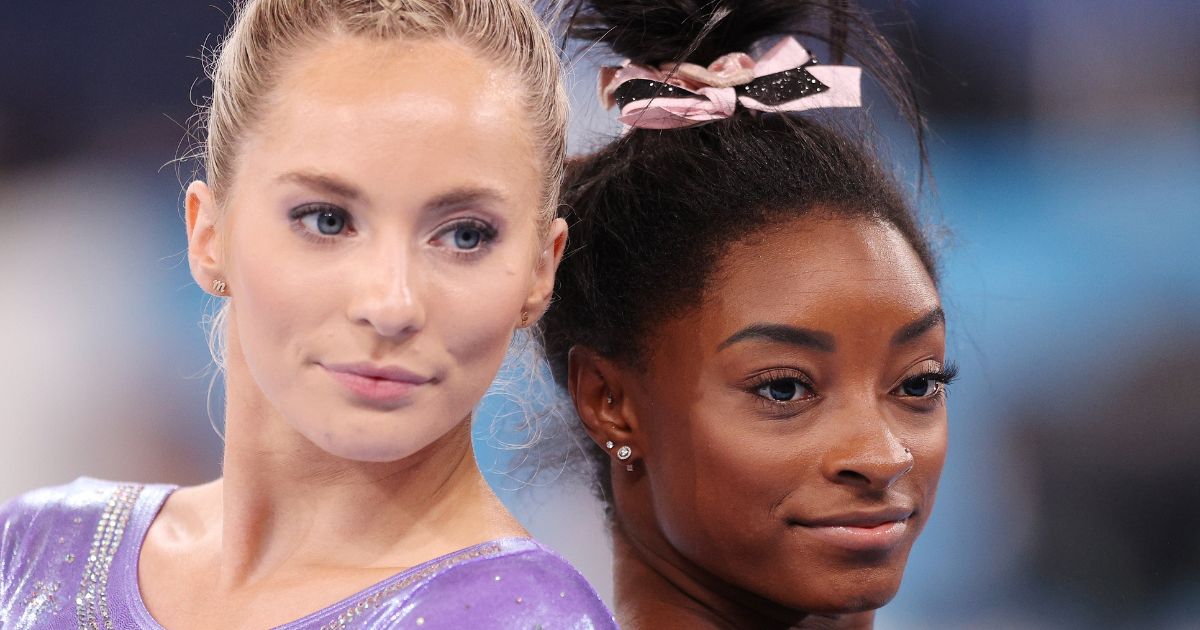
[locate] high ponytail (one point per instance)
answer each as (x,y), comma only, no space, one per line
(699,31)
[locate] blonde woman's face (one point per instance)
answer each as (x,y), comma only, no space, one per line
(380,243)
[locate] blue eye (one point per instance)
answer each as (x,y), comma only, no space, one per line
(467,237)
(322,220)
(784,390)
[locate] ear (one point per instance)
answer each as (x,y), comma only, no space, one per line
(597,389)
(204,242)
(542,288)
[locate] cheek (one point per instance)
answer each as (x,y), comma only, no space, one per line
(716,480)
(474,310)
(275,300)
(929,454)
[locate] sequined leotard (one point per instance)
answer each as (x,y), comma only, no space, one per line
(68,559)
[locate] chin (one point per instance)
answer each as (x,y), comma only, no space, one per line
(363,442)
(844,592)
(359,450)
(846,603)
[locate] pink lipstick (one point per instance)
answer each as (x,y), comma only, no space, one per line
(380,385)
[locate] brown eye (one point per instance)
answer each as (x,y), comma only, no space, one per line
(784,390)
(920,387)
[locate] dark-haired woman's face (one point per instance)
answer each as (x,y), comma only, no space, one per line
(792,428)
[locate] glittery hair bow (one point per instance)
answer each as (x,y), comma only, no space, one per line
(674,95)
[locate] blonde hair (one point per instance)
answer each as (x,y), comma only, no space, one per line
(264,33)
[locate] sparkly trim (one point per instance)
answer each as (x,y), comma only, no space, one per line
(91,604)
(361,606)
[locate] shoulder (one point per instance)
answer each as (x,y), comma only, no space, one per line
(47,506)
(523,585)
(58,515)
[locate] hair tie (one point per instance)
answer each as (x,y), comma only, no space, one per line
(675,95)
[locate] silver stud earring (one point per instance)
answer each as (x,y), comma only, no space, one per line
(625,453)
(608,399)
(608,445)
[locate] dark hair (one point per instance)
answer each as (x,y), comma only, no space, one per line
(652,212)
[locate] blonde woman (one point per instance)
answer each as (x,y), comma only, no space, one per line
(377,216)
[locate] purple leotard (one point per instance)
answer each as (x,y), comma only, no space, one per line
(68,559)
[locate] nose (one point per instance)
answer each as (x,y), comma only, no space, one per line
(387,296)
(869,458)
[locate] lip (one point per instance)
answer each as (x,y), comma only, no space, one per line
(378,384)
(860,531)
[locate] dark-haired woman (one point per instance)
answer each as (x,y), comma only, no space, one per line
(749,323)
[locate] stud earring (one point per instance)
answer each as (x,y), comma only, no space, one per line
(219,286)
(524,317)
(608,399)
(623,454)
(608,445)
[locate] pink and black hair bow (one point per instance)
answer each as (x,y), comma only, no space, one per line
(674,95)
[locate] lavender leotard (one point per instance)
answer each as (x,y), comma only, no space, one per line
(68,559)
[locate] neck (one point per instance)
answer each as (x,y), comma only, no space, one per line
(288,507)
(656,589)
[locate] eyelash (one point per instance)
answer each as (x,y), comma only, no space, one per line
(299,213)
(778,375)
(488,235)
(942,378)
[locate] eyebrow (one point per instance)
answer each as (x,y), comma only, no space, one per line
(446,202)
(823,341)
(922,325)
(780,333)
(325,183)
(459,198)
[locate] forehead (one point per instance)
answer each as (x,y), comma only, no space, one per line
(845,276)
(426,111)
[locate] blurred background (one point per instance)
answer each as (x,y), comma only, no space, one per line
(1066,152)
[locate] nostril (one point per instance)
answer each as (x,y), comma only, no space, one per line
(853,476)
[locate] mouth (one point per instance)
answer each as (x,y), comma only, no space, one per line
(376,384)
(880,530)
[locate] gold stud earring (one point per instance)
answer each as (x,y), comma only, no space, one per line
(524,318)
(219,286)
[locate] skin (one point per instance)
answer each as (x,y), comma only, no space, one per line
(717,525)
(404,150)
